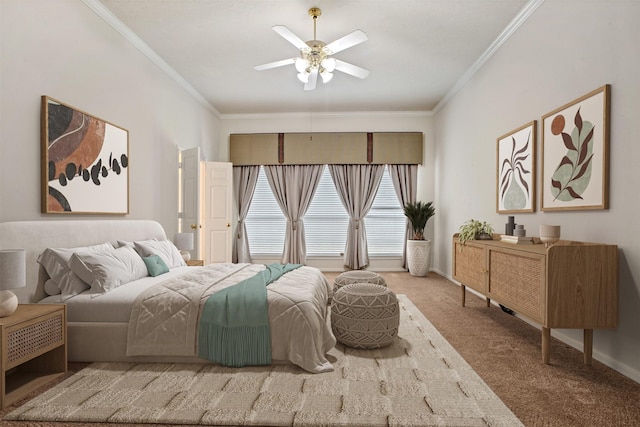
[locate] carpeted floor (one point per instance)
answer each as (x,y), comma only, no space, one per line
(418,380)
(505,352)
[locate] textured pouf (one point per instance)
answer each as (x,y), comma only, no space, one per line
(365,315)
(357,276)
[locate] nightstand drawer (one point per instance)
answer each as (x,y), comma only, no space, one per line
(24,342)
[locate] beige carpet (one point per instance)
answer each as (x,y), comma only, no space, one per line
(417,381)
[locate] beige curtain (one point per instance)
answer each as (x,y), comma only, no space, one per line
(293,187)
(405,182)
(244,185)
(357,186)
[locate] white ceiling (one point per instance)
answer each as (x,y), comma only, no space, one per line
(418,50)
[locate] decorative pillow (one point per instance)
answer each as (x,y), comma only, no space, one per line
(107,271)
(165,249)
(155,265)
(51,287)
(56,263)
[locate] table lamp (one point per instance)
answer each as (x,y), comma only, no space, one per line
(12,275)
(184,243)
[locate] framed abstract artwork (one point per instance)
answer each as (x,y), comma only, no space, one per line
(516,170)
(575,154)
(84,162)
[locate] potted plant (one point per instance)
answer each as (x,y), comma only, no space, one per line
(475,230)
(418,248)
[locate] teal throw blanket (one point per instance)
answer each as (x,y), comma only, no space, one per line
(234,325)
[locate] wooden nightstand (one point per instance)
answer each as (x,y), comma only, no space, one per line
(34,349)
(195,262)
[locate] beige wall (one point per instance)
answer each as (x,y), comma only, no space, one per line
(64,50)
(564,50)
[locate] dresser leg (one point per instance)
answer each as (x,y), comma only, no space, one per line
(463,288)
(588,346)
(546,344)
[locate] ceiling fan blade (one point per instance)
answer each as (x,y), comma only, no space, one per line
(351,69)
(290,37)
(313,78)
(275,64)
(346,42)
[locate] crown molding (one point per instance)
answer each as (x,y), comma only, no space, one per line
(327,115)
(515,23)
(136,41)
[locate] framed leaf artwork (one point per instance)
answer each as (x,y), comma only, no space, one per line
(575,154)
(84,162)
(516,170)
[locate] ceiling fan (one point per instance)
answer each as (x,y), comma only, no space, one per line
(316,56)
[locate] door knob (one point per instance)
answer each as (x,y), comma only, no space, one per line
(193,226)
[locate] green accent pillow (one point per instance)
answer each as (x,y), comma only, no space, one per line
(155,265)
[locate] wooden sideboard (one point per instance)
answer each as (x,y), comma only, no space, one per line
(568,284)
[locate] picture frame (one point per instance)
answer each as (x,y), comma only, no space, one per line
(575,154)
(84,162)
(516,170)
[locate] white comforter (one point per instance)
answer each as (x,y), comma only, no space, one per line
(164,318)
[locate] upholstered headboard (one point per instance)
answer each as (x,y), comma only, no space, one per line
(36,236)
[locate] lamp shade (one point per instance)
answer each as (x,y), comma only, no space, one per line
(184,241)
(12,269)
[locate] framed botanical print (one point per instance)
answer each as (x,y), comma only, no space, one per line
(516,170)
(84,162)
(575,154)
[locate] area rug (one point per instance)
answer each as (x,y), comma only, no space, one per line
(419,380)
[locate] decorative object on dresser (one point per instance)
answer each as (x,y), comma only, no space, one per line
(516,170)
(34,349)
(12,275)
(549,233)
(475,230)
(572,285)
(184,243)
(418,248)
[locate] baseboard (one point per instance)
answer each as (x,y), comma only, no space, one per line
(603,358)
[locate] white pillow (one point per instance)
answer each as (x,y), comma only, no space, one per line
(165,249)
(56,263)
(106,271)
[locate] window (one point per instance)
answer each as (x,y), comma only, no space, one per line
(326,221)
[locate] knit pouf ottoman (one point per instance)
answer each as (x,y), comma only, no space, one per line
(357,276)
(365,315)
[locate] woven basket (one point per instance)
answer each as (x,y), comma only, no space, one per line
(365,315)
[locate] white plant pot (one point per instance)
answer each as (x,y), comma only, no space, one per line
(418,257)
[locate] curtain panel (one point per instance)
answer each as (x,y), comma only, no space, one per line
(357,186)
(244,185)
(405,183)
(293,187)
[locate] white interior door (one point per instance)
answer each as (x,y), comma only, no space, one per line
(217,199)
(191,200)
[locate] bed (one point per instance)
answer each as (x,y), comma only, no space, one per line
(99,323)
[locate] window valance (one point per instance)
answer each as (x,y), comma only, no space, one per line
(326,148)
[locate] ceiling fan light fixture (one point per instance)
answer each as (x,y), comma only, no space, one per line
(301,64)
(326,76)
(329,64)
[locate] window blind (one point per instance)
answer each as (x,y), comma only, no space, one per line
(326,221)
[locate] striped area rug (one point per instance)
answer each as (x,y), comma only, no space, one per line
(419,380)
